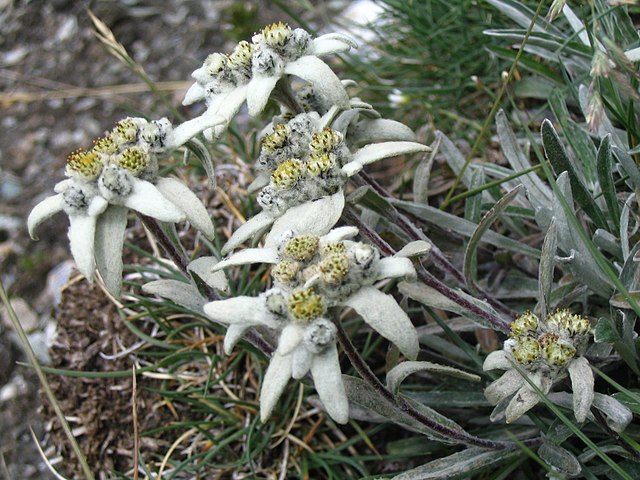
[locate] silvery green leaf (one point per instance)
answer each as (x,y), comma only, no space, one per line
(395,267)
(618,416)
(397,374)
(196,147)
(423,173)
(432,298)
(189,129)
(607,242)
(450,399)
(547,264)
(577,26)
(633,54)
(455,159)
(364,395)
(557,156)
(539,193)
(417,248)
(181,293)
(489,218)
(629,167)
(559,459)
(624,226)
(468,461)
(462,227)
(109,239)
(605,177)
(523,16)
(203,267)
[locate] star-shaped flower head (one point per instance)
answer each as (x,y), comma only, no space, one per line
(313,277)
(307,165)
(252,70)
(545,351)
(119,173)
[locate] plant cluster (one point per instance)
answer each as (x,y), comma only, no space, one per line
(556,281)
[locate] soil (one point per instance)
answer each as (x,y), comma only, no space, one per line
(60,88)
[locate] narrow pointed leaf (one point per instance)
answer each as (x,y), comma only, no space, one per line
(400,372)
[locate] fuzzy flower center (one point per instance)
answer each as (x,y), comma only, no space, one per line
(287,174)
(276,140)
(306,305)
(86,165)
(334,268)
(125,131)
(134,159)
(276,35)
(325,141)
(286,271)
(301,247)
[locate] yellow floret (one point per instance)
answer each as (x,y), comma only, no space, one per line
(287,174)
(306,305)
(82,164)
(301,247)
(134,159)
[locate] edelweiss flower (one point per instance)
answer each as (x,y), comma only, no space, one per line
(117,174)
(252,70)
(546,350)
(313,275)
(307,165)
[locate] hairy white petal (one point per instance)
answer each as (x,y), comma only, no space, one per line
(147,199)
(416,248)
(82,230)
(195,93)
(189,129)
(506,385)
(187,201)
(300,362)
(241,310)
(109,238)
(258,93)
(384,315)
(290,338)
(327,378)
(226,105)
(582,382)
(313,218)
(204,267)
(42,211)
(325,82)
(261,180)
(395,267)
(377,151)
(526,398)
(380,130)
(339,234)
(233,336)
(618,415)
(273,384)
(497,360)
(97,205)
(248,230)
(331,43)
(249,255)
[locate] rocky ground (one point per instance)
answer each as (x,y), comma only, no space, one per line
(60,88)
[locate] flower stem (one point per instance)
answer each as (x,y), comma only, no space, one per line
(176,255)
(439,259)
(365,372)
(426,277)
